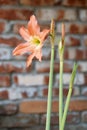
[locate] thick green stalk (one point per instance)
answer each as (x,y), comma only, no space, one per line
(61,92)
(49,101)
(69,96)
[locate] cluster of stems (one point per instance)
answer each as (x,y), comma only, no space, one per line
(62,112)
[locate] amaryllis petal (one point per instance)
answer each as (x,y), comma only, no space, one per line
(33,26)
(19,48)
(44,33)
(23,48)
(39,55)
(29,59)
(24,33)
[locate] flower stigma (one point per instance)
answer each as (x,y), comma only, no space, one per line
(35,40)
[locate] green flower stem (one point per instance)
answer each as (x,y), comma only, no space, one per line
(69,96)
(49,101)
(61,92)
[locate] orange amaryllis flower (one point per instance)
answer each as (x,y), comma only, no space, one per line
(34,40)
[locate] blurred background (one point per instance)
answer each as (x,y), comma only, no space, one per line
(23,91)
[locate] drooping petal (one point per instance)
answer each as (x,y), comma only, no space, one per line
(23,48)
(29,59)
(43,34)
(19,47)
(33,26)
(24,33)
(38,55)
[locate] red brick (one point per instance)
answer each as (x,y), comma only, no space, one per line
(82,66)
(10,67)
(75,54)
(2,27)
(85,55)
(32,106)
(71,118)
(73,28)
(78,3)
(17,14)
(8,109)
(61,15)
(78,105)
(10,41)
(4,94)
(65,91)
(79,54)
(84,117)
(66,54)
(4,81)
(8,2)
(40,2)
(46,80)
(77,28)
(72,41)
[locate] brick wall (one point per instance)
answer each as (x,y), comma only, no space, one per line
(23,92)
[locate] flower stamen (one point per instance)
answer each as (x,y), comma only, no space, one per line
(35,40)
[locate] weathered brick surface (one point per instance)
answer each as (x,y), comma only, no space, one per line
(84,117)
(8,2)
(4,94)
(19,120)
(73,28)
(44,92)
(2,27)
(78,3)
(40,2)
(8,109)
(71,118)
(9,41)
(5,81)
(12,66)
(57,14)
(17,14)
(26,80)
(24,91)
(45,67)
